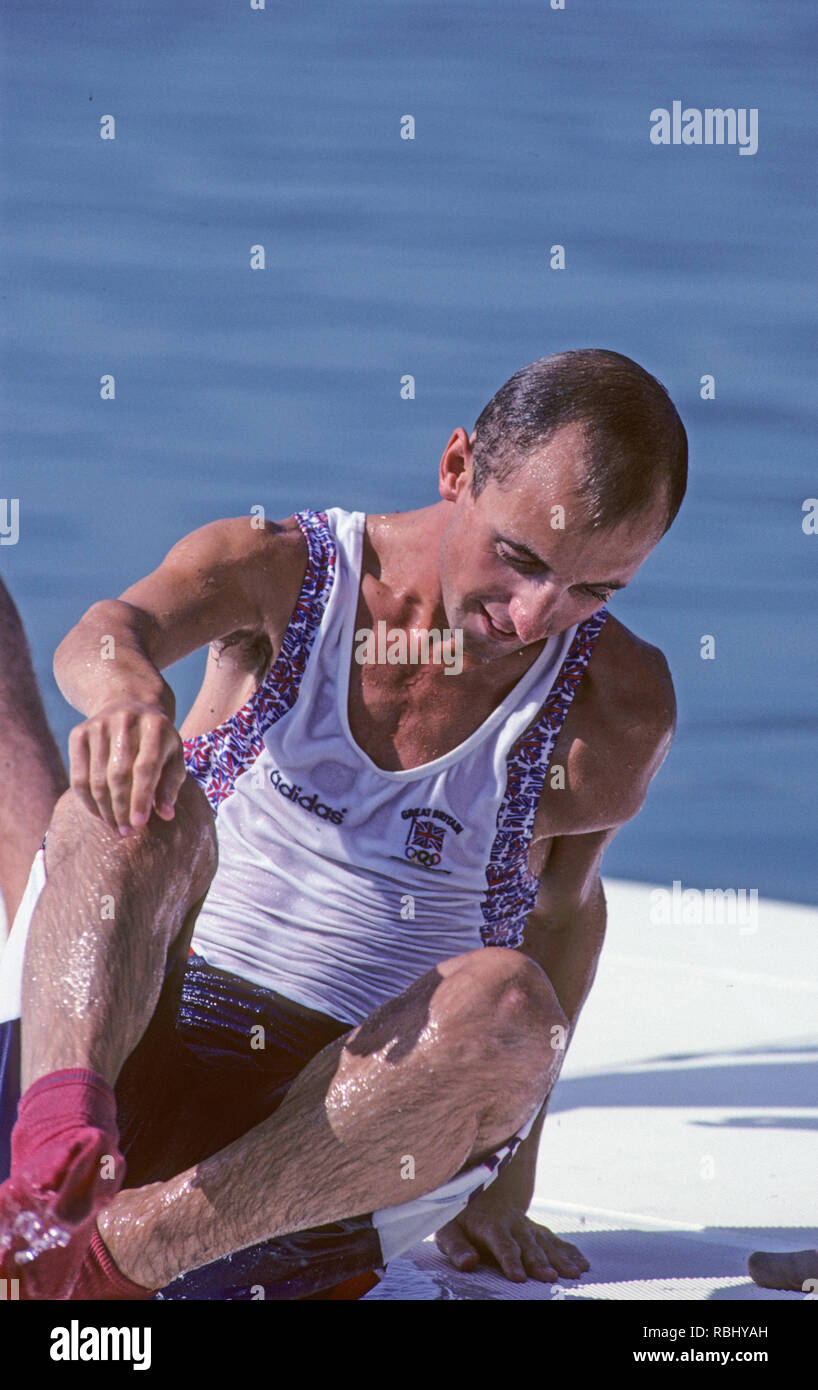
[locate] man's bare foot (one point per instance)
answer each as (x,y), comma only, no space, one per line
(791,1270)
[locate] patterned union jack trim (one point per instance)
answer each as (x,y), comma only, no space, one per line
(512,889)
(495,1163)
(216,758)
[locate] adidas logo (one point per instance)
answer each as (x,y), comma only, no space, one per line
(309,802)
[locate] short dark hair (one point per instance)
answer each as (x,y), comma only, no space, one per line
(636,441)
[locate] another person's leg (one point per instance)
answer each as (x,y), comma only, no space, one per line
(796,1270)
(32,773)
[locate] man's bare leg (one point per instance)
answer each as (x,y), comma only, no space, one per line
(796,1270)
(445,1073)
(101,930)
(98,941)
(32,773)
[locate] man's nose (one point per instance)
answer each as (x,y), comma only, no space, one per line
(531,610)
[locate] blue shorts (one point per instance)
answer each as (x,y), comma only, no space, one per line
(195,1083)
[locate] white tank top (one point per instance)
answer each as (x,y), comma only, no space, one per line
(340,883)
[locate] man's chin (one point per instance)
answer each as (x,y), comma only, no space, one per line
(483,646)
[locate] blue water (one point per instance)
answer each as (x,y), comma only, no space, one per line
(428,257)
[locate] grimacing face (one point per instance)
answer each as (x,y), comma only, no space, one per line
(510,574)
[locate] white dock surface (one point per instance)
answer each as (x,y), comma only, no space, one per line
(682,1132)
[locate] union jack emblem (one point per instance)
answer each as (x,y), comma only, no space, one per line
(426,834)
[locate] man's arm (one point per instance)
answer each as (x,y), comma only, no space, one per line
(613,743)
(611,746)
(226,579)
(564,935)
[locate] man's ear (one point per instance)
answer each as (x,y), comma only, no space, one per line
(455,466)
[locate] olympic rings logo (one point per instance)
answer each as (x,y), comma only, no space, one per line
(422,855)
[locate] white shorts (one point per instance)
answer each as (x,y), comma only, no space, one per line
(401,1227)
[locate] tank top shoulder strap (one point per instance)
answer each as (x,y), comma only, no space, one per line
(315,590)
(511,889)
(215,759)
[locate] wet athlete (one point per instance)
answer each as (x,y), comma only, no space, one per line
(297,980)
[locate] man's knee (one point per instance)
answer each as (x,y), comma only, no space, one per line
(499,1010)
(195,827)
(511,986)
(189,839)
(504,1036)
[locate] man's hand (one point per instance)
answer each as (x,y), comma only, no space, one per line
(495,1228)
(126,758)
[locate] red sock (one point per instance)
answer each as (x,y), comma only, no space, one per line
(65,1166)
(99,1277)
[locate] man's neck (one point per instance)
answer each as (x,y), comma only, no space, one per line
(401,552)
(401,558)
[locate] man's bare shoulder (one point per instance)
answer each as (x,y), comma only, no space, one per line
(268,562)
(249,538)
(267,559)
(616,735)
(278,555)
(629,686)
